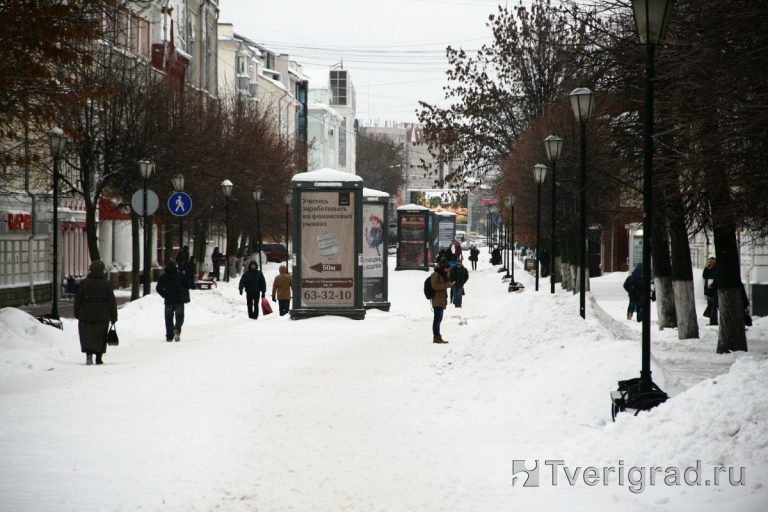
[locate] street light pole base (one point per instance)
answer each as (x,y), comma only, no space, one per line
(634,396)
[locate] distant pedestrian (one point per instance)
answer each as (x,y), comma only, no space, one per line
(190,272)
(474,254)
(173,287)
(281,288)
(254,285)
(496,256)
(456,251)
(440,283)
(216,259)
(633,286)
(710,289)
(95,308)
(459,277)
(182,257)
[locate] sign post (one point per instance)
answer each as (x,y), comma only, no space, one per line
(327,233)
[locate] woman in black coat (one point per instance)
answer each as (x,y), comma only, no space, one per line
(95,308)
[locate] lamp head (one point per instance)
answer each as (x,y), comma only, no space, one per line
(226,187)
(553,146)
(582,103)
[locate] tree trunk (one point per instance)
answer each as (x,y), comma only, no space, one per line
(662,273)
(91,235)
(135,257)
(682,273)
(168,246)
(731,334)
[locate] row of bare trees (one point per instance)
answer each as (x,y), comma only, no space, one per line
(62,66)
(711,121)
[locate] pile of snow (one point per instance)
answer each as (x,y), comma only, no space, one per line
(25,343)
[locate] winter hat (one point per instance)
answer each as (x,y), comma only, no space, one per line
(97,267)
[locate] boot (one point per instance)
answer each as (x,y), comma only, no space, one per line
(629,316)
(438,339)
(98,359)
(88,360)
(176,335)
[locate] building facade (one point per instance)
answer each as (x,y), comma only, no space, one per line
(332,126)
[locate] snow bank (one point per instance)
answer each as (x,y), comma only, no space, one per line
(25,343)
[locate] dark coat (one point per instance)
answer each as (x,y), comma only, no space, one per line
(710,273)
(172,285)
(440,283)
(216,258)
(95,308)
(474,252)
(459,276)
(253,281)
(633,285)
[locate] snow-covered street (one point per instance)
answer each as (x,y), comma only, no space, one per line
(332,414)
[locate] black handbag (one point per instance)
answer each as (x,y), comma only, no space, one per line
(112,338)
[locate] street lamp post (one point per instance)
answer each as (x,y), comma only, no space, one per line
(510,202)
(581,102)
(553,145)
(146,168)
(178,186)
(287,200)
(651,18)
(539,175)
(226,187)
(257,197)
(58,143)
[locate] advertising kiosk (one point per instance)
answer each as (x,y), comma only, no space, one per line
(327,231)
(443,231)
(375,242)
(413,228)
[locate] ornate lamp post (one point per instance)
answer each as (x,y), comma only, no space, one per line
(226,187)
(58,144)
(287,200)
(554,146)
(539,175)
(146,168)
(651,18)
(581,102)
(257,197)
(178,186)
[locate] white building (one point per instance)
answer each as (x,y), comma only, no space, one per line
(332,128)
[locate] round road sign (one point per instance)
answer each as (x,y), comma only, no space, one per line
(137,202)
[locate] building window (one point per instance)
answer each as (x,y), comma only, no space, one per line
(338,87)
(240,66)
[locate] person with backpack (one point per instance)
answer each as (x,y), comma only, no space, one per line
(632,285)
(435,289)
(173,287)
(254,285)
(459,276)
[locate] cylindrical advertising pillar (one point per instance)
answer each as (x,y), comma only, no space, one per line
(375,243)
(328,244)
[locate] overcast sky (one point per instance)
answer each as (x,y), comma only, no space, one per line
(393,49)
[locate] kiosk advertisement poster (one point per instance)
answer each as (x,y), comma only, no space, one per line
(374,252)
(327,249)
(412,229)
(446,231)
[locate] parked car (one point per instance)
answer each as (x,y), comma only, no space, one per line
(275,252)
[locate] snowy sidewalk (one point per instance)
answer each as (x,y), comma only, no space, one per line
(685,362)
(332,414)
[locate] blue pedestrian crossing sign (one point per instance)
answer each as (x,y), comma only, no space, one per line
(179,204)
(497,219)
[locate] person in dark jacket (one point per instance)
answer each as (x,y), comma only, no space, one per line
(216,259)
(281,288)
(190,272)
(440,283)
(710,289)
(182,257)
(95,308)
(174,288)
(474,254)
(496,256)
(254,285)
(633,285)
(459,276)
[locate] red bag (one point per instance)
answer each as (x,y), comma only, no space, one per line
(265,306)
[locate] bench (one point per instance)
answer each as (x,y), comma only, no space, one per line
(204,285)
